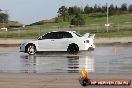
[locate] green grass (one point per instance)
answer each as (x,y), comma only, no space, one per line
(33,34)
(18,35)
(48,26)
(101,21)
(124,21)
(111,33)
(115,34)
(112,19)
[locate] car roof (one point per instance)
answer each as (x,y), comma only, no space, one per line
(63,31)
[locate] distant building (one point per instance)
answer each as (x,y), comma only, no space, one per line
(4,28)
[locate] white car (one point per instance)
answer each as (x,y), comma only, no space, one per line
(69,41)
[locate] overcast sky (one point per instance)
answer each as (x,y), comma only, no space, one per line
(29,11)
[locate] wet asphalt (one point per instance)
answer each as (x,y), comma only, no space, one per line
(104,59)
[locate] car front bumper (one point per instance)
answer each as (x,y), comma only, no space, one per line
(22,47)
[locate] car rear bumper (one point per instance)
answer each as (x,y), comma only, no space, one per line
(89,47)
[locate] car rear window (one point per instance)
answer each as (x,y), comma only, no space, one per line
(79,35)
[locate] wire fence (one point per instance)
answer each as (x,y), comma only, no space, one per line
(33,32)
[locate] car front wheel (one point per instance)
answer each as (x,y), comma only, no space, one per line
(31,49)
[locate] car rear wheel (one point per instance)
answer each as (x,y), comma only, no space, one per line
(73,49)
(31,49)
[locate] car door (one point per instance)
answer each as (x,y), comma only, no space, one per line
(46,43)
(62,41)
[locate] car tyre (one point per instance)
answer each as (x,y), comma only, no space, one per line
(73,49)
(31,49)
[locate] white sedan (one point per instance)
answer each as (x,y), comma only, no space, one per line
(69,41)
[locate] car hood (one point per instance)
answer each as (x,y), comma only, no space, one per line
(29,41)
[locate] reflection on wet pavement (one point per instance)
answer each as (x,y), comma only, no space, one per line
(102,59)
(56,63)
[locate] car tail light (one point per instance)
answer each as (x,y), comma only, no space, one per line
(86,41)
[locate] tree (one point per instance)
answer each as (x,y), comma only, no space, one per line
(3,17)
(130,8)
(124,7)
(103,9)
(63,12)
(78,20)
(99,9)
(117,10)
(74,10)
(71,11)
(95,8)
(111,9)
(87,9)
(59,20)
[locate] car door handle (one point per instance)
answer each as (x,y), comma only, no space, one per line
(52,40)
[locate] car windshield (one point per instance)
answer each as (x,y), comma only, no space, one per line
(79,35)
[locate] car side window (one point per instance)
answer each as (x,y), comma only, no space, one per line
(48,36)
(60,35)
(66,35)
(57,35)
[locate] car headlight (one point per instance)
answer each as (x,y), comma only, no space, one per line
(23,44)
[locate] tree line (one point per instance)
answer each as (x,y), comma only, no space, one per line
(3,17)
(74,14)
(113,9)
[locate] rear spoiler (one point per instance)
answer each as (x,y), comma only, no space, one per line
(89,35)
